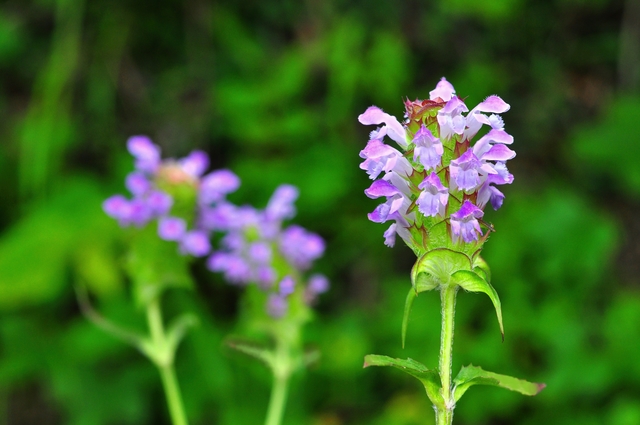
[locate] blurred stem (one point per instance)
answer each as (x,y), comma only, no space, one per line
(163,359)
(444,414)
(282,369)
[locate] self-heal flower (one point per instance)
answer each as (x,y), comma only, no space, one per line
(433,199)
(424,182)
(450,118)
(153,184)
(464,222)
(428,149)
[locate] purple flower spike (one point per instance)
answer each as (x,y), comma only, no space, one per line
(146,153)
(464,223)
(286,286)
(196,243)
(280,206)
(444,90)
(214,186)
(428,148)
(195,164)
(171,228)
(433,199)
(392,128)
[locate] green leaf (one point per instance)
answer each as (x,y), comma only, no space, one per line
(474,375)
(472,282)
(411,296)
(429,378)
(255,351)
(436,267)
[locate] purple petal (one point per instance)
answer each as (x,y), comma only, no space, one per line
(260,252)
(147,154)
(195,164)
(214,186)
(280,206)
(159,202)
(137,183)
(498,153)
(117,206)
(286,286)
(171,228)
(375,116)
(493,104)
(318,284)
(196,243)
(381,188)
(444,90)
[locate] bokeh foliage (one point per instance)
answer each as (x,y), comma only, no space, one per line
(272,90)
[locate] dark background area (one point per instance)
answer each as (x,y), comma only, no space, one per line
(272,90)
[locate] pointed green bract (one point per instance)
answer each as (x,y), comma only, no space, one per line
(429,378)
(472,282)
(411,296)
(474,375)
(482,268)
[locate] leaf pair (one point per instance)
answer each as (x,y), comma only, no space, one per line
(467,377)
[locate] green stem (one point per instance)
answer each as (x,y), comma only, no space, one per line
(444,414)
(163,359)
(281,368)
(278,400)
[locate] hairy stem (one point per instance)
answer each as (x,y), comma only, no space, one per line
(281,372)
(444,414)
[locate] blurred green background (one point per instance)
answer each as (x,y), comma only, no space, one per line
(272,90)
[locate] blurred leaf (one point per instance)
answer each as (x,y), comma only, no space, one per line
(35,252)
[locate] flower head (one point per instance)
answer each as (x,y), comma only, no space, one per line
(173,192)
(437,180)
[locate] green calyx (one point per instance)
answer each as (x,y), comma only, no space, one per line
(442,268)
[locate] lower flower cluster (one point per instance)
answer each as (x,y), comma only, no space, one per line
(189,206)
(438,178)
(256,249)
